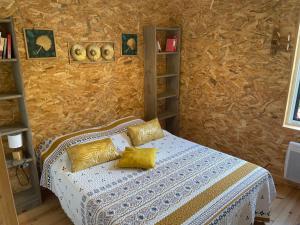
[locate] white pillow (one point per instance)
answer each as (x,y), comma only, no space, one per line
(121,141)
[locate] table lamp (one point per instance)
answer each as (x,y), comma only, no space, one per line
(15,141)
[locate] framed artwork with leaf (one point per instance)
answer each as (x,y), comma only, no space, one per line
(40,43)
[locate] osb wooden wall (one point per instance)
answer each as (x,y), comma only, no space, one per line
(233,92)
(61,97)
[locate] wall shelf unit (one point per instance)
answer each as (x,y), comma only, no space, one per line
(31,196)
(162,74)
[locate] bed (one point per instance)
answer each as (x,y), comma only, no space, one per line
(191,184)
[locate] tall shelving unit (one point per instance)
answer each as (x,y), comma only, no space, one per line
(162,67)
(30,197)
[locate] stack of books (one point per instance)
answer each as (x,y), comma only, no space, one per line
(5,46)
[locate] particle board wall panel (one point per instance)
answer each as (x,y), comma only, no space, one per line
(233,92)
(62,98)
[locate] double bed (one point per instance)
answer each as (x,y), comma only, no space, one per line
(190,184)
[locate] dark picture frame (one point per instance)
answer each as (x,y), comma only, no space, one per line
(40,43)
(129,44)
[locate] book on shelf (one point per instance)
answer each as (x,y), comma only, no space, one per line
(9,46)
(171,44)
(4,48)
(1,46)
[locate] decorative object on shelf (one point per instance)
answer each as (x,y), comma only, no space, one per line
(91,52)
(17,155)
(40,43)
(280,43)
(78,52)
(108,52)
(171,44)
(7,8)
(158,46)
(15,141)
(129,44)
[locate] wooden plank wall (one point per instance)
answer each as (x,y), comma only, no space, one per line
(233,92)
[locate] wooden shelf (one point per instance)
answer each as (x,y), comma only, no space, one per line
(167,53)
(26,199)
(166,115)
(5,20)
(166,94)
(22,200)
(171,62)
(167,75)
(167,28)
(9,96)
(8,60)
(14,129)
(16,163)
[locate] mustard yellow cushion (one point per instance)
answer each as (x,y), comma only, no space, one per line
(91,154)
(145,132)
(138,158)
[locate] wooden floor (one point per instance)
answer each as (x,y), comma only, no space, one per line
(285,210)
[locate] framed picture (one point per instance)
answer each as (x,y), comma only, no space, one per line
(129,44)
(40,43)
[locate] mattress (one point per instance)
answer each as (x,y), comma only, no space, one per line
(191,184)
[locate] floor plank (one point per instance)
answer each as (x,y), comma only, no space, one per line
(285,210)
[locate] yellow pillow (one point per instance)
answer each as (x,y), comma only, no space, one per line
(145,132)
(138,158)
(91,154)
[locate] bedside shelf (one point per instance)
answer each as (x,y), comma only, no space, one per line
(9,96)
(13,129)
(16,163)
(26,199)
(22,200)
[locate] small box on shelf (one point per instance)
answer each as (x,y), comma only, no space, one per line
(171,45)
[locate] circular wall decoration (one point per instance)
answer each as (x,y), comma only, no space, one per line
(93,52)
(107,52)
(78,52)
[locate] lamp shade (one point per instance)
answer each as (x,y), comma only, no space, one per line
(15,141)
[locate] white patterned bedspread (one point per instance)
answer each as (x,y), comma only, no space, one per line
(191,184)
